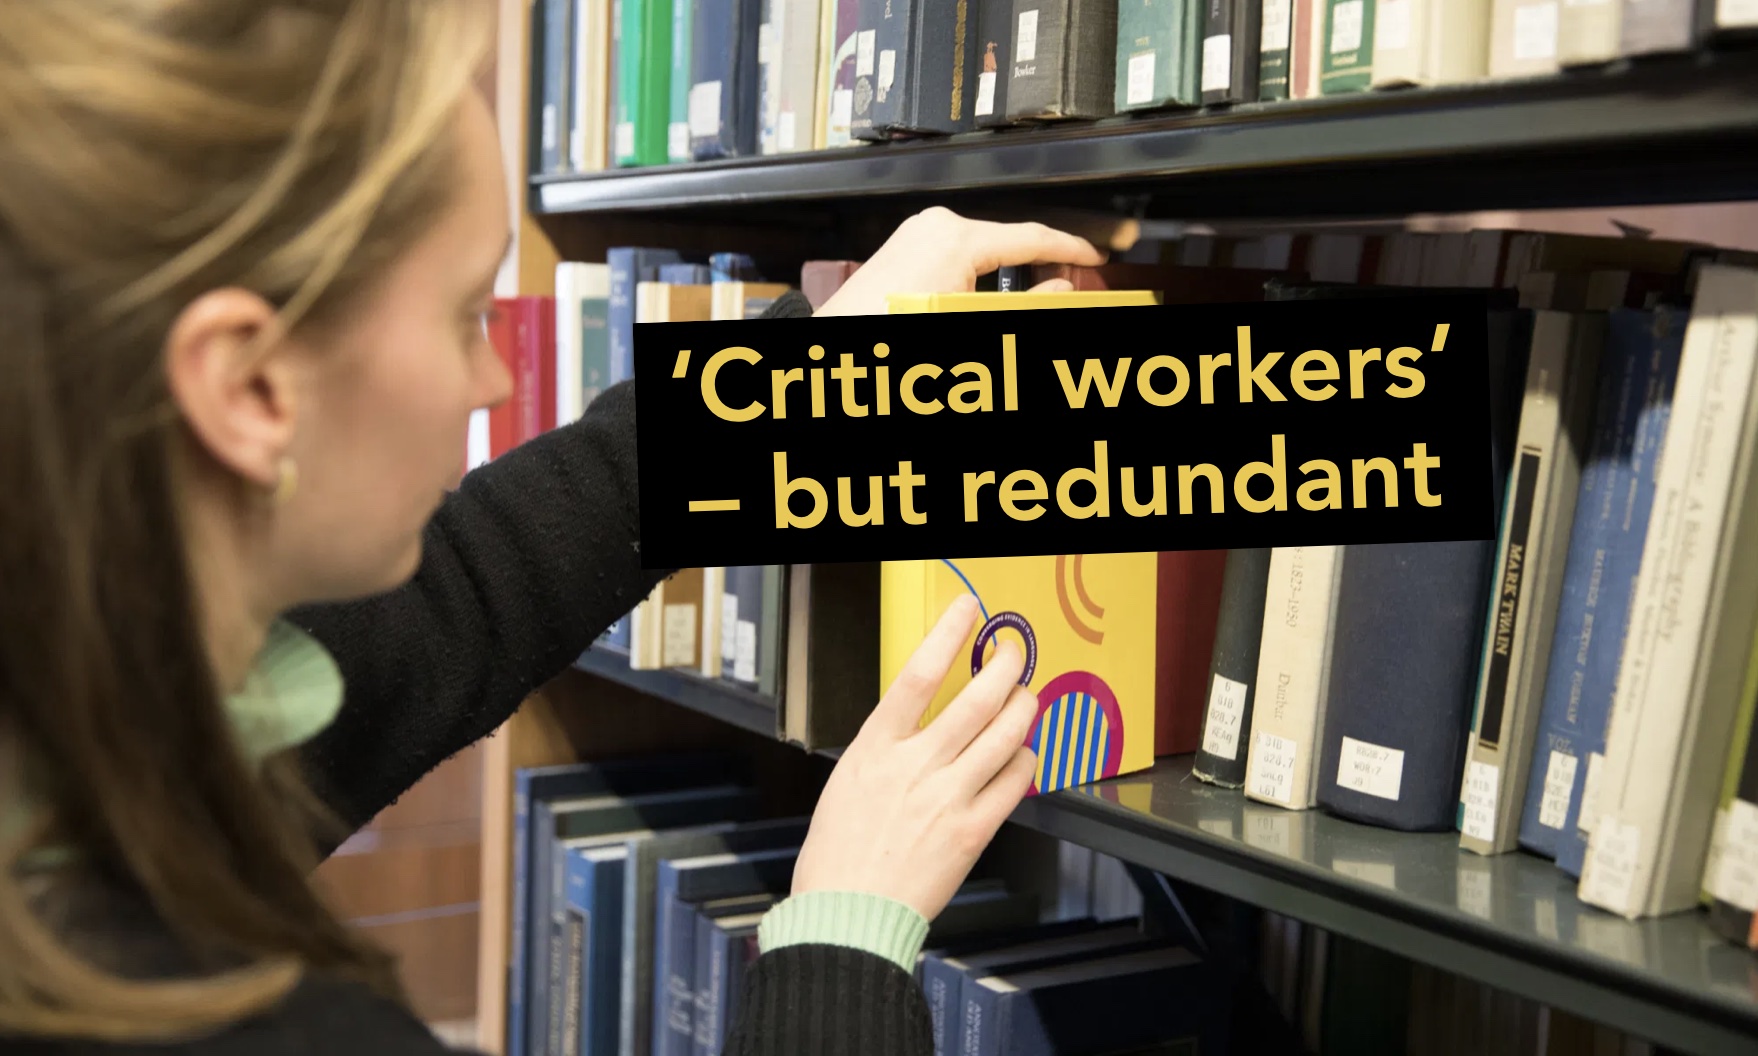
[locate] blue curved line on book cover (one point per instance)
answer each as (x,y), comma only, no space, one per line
(1078,736)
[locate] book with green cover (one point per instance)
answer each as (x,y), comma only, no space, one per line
(642,32)
(1156,54)
(677,134)
(1348,51)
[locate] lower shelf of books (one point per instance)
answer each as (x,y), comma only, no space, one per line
(1512,921)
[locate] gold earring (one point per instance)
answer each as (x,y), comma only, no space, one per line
(288,481)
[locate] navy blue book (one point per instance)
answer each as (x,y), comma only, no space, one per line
(557,62)
(943,974)
(629,265)
(724,122)
(644,982)
(708,1017)
(1662,332)
(1407,646)
(586,1014)
(563,823)
(679,886)
(732,946)
(1101,1005)
(536,784)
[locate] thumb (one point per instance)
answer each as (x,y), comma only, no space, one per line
(1053,286)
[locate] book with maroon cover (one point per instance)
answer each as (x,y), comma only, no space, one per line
(1190,605)
(820,279)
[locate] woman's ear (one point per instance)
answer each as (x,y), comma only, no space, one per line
(233,382)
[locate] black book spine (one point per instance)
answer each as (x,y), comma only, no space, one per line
(866,69)
(1090,59)
(1233,669)
(892,62)
(1216,55)
(1248,25)
(1035,90)
(941,95)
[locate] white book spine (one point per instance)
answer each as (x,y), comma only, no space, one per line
(1292,674)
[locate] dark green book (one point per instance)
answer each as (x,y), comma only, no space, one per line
(1348,61)
(1157,62)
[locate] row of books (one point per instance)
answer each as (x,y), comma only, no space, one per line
(1344,996)
(639,885)
(1412,692)
(654,82)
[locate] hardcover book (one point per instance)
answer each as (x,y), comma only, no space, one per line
(1064,59)
(1157,54)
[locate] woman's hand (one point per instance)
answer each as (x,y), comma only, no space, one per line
(907,811)
(938,251)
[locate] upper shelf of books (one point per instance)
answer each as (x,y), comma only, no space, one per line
(1672,128)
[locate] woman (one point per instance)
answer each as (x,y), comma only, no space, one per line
(246,252)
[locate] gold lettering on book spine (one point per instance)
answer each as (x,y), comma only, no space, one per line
(958,63)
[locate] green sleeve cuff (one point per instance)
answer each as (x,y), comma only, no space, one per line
(872,923)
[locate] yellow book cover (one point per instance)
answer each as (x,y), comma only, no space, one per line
(1086,622)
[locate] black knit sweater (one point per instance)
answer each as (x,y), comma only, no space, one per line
(523,567)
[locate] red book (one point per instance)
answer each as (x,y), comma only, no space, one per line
(533,321)
(1189,608)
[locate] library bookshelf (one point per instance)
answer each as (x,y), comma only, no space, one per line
(1672,130)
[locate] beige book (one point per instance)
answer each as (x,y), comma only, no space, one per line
(1556,417)
(1293,671)
(589,146)
(1428,42)
(1588,31)
(1692,619)
(797,49)
(665,302)
(821,84)
(731,300)
(1523,38)
(714,629)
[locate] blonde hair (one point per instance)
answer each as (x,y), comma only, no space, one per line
(152,150)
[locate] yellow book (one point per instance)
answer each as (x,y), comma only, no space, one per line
(1086,622)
